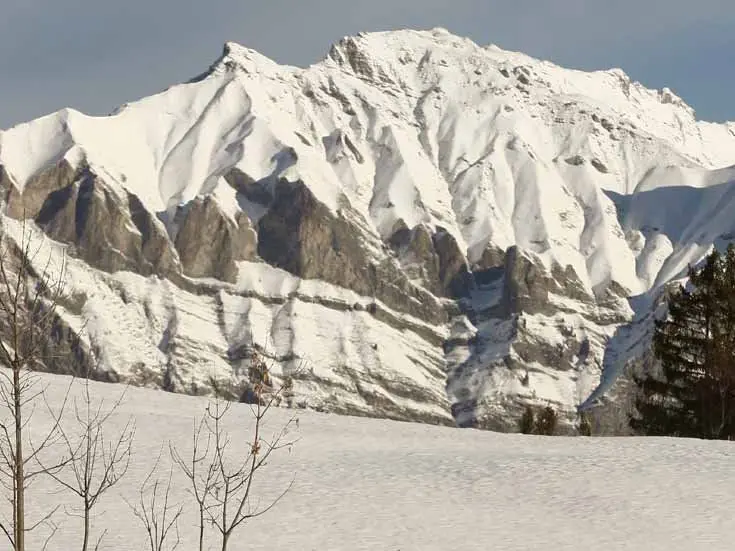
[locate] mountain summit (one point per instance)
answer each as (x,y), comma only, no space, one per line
(416,227)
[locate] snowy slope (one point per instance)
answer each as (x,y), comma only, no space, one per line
(373,484)
(441,231)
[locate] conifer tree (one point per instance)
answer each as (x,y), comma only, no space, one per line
(696,347)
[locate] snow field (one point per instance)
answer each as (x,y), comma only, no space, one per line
(373,484)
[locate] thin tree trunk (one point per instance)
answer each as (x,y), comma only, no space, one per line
(19,476)
(201,530)
(85,543)
(87,471)
(225,533)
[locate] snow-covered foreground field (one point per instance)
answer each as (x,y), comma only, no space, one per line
(382,485)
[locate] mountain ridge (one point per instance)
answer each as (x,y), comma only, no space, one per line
(498,215)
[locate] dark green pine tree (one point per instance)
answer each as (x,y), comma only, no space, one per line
(720,385)
(696,348)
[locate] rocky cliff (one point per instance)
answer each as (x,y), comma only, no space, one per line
(416,227)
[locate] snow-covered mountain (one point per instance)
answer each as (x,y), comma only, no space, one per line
(416,227)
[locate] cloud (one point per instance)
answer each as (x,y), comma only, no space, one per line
(94,54)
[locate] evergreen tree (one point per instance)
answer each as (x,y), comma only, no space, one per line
(527,421)
(585,425)
(546,421)
(696,348)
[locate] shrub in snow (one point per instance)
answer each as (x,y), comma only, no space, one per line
(527,421)
(546,421)
(585,426)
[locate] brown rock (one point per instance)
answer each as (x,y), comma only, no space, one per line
(301,235)
(108,233)
(209,242)
(29,203)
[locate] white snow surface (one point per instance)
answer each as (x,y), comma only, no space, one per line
(366,484)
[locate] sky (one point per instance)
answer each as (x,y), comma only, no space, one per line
(94,55)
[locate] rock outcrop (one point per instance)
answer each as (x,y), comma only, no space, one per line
(210,243)
(109,228)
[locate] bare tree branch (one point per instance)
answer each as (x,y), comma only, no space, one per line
(28,304)
(220,481)
(96,463)
(159,518)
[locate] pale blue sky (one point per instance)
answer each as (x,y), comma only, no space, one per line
(96,54)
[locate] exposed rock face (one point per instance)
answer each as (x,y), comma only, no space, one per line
(525,286)
(492,257)
(435,260)
(210,243)
(29,203)
(108,228)
(300,235)
(452,264)
(415,249)
(416,227)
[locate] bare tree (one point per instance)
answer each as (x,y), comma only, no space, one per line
(95,462)
(155,512)
(28,305)
(200,471)
(221,481)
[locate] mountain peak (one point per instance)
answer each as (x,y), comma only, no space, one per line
(236,56)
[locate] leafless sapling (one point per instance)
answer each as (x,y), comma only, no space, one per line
(221,480)
(200,471)
(156,513)
(29,297)
(96,462)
